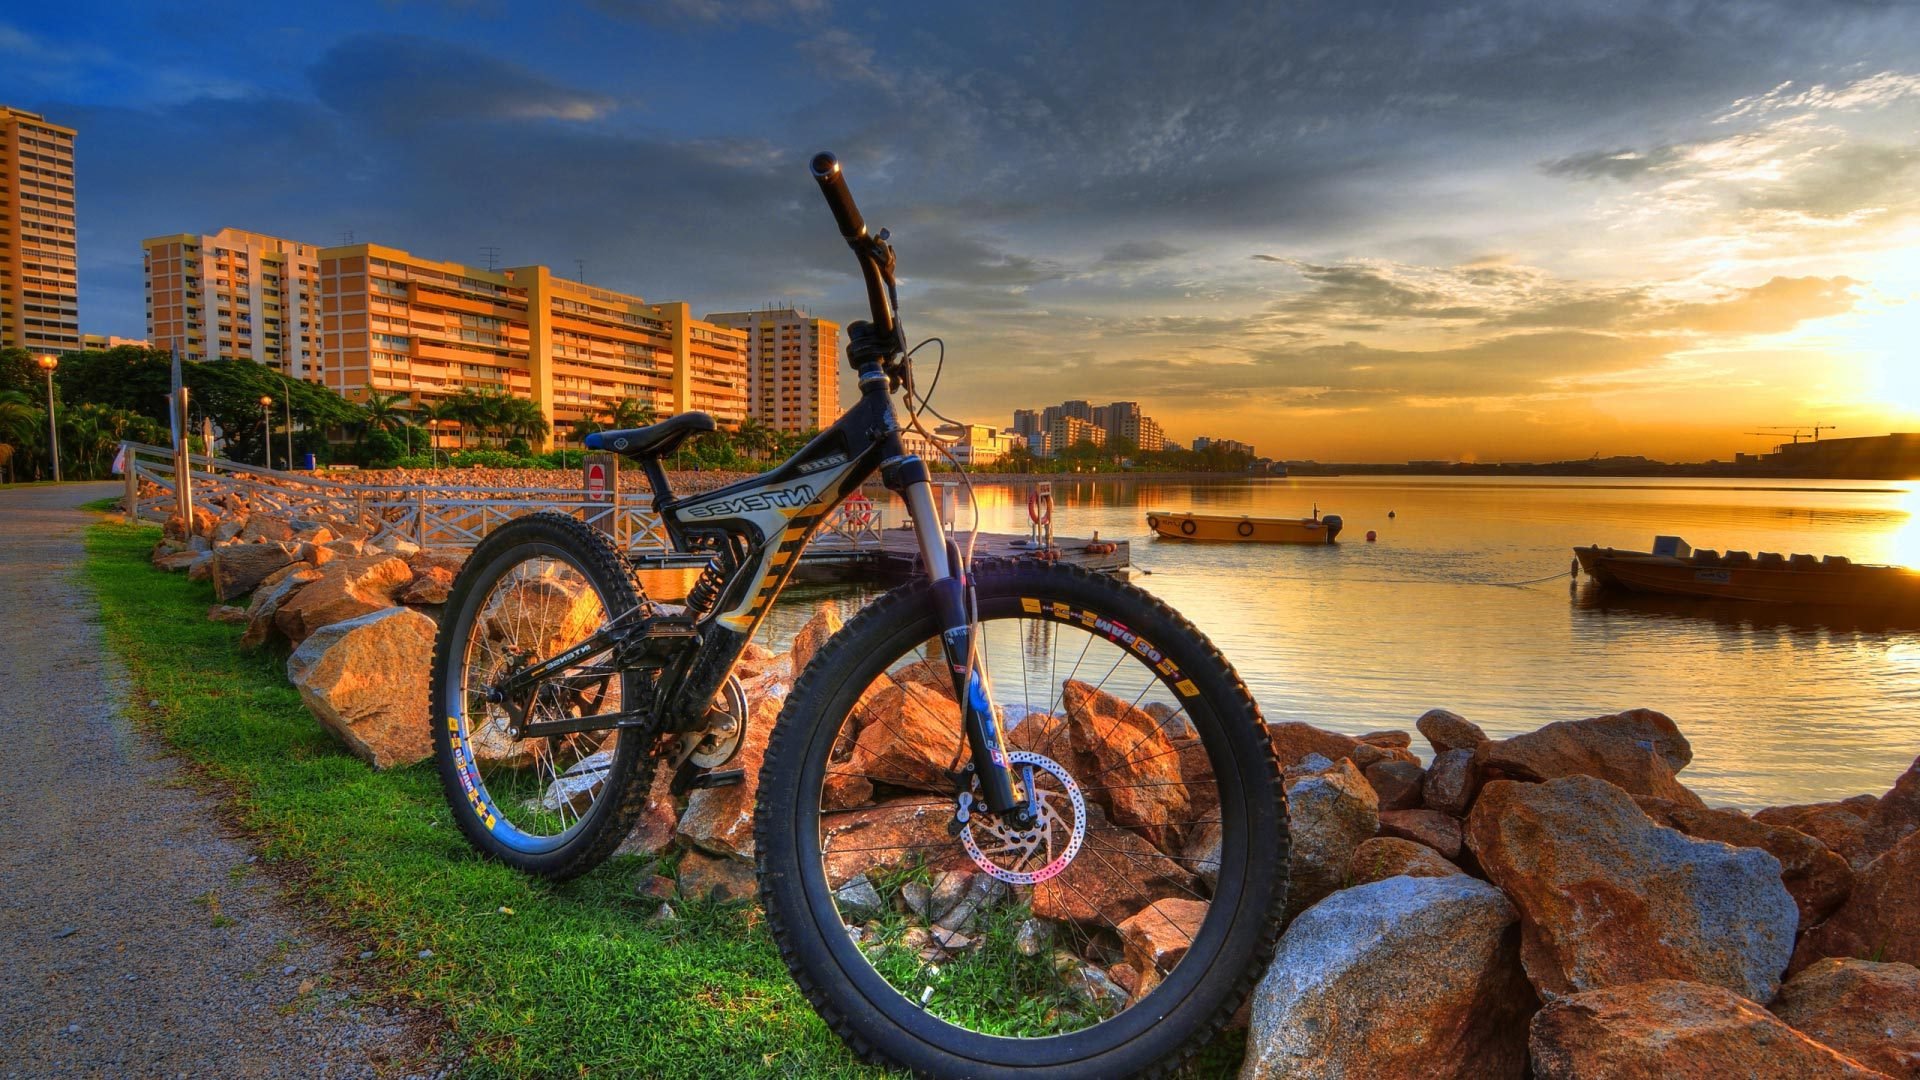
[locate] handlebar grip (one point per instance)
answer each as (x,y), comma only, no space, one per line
(833,184)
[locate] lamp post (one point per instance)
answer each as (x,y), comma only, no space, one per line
(266,431)
(286,402)
(48,362)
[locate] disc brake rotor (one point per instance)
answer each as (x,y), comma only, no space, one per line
(1031,856)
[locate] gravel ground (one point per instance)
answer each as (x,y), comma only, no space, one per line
(137,935)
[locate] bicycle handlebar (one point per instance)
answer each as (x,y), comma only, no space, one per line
(876,257)
(833,184)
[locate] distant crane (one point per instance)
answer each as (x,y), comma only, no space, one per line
(1796,433)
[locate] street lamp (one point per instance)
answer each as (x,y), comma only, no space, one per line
(266,432)
(48,362)
(286,401)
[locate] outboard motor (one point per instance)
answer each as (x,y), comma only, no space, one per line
(1333,523)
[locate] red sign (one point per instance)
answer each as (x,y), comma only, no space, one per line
(596,480)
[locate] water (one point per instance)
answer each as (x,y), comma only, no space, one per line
(1359,636)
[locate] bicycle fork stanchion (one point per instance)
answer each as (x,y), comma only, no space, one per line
(985,739)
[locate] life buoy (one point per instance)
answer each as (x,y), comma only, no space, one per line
(1246,528)
(1187,526)
(1153,523)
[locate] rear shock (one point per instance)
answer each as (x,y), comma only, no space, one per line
(706,591)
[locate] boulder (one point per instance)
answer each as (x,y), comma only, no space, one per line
(429,586)
(265,604)
(1389,856)
(807,642)
(1897,815)
(266,527)
(346,589)
(1817,878)
(226,613)
(1387,740)
(888,835)
(909,736)
(239,568)
(1451,782)
(1115,875)
(542,615)
(1668,1028)
(1446,731)
(1202,854)
(1397,783)
(1869,1012)
(708,877)
(1881,918)
(1439,831)
(365,680)
(284,573)
(434,558)
(1140,783)
(175,561)
(1157,938)
(1402,977)
(1293,741)
(654,829)
(720,820)
(1638,751)
(1607,897)
(1331,810)
(1842,826)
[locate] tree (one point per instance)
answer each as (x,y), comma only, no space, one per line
(229,391)
(755,438)
(622,414)
(387,412)
(20,420)
(522,419)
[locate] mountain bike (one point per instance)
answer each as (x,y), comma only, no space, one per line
(1013,818)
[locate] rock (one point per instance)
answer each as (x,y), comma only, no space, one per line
(1430,827)
(720,820)
(1396,783)
(228,530)
(756,659)
(1115,875)
(1869,1012)
(434,558)
(1607,897)
(1638,751)
(1389,856)
(265,527)
(858,900)
(284,573)
(1669,1028)
(429,586)
(1451,782)
(1446,731)
(175,561)
(1174,721)
(365,680)
(887,835)
(1140,783)
(1126,978)
(1157,938)
(351,548)
(226,613)
(981,893)
(1402,977)
(265,604)
(239,568)
(655,887)
(1033,937)
(579,785)
(1366,755)
(399,545)
(1202,854)
(807,642)
(908,736)
(1897,815)
(706,877)
(201,568)
(1293,741)
(346,589)
(1387,740)
(1842,826)
(1881,918)
(542,615)
(1331,810)
(1817,878)
(1089,983)
(654,829)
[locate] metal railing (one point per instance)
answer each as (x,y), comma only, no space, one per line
(429,514)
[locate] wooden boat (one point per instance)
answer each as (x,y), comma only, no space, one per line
(1674,569)
(1246,530)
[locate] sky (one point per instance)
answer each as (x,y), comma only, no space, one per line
(1339,231)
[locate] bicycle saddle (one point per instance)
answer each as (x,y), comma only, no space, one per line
(654,440)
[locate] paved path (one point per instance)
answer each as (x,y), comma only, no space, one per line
(111,962)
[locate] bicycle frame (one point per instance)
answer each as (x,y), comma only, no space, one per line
(758,528)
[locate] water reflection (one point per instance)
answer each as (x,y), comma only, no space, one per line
(1780,706)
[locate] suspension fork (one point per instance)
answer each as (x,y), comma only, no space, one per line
(952,588)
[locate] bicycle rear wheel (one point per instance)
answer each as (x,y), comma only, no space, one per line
(555,806)
(1108,940)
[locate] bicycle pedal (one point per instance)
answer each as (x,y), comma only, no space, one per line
(723,778)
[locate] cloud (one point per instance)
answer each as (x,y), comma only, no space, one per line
(709,12)
(1139,253)
(404,82)
(1874,91)
(1626,164)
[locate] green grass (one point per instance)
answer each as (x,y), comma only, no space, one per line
(108,505)
(576,980)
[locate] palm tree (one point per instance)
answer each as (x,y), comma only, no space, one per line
(522,419)
(20,422)
(754,437)
(630,413)
(448,409)
(387,412)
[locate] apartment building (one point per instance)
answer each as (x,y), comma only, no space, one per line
(235,295)
(793,367)
(978,444)
(393,322)
(1066,431)
(1044,429)
(1230,446)
(39,279)
(103,342)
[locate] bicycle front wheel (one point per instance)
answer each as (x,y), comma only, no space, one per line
(1109,939)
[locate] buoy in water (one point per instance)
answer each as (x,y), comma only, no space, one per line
(1389,515)
(1371,537)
